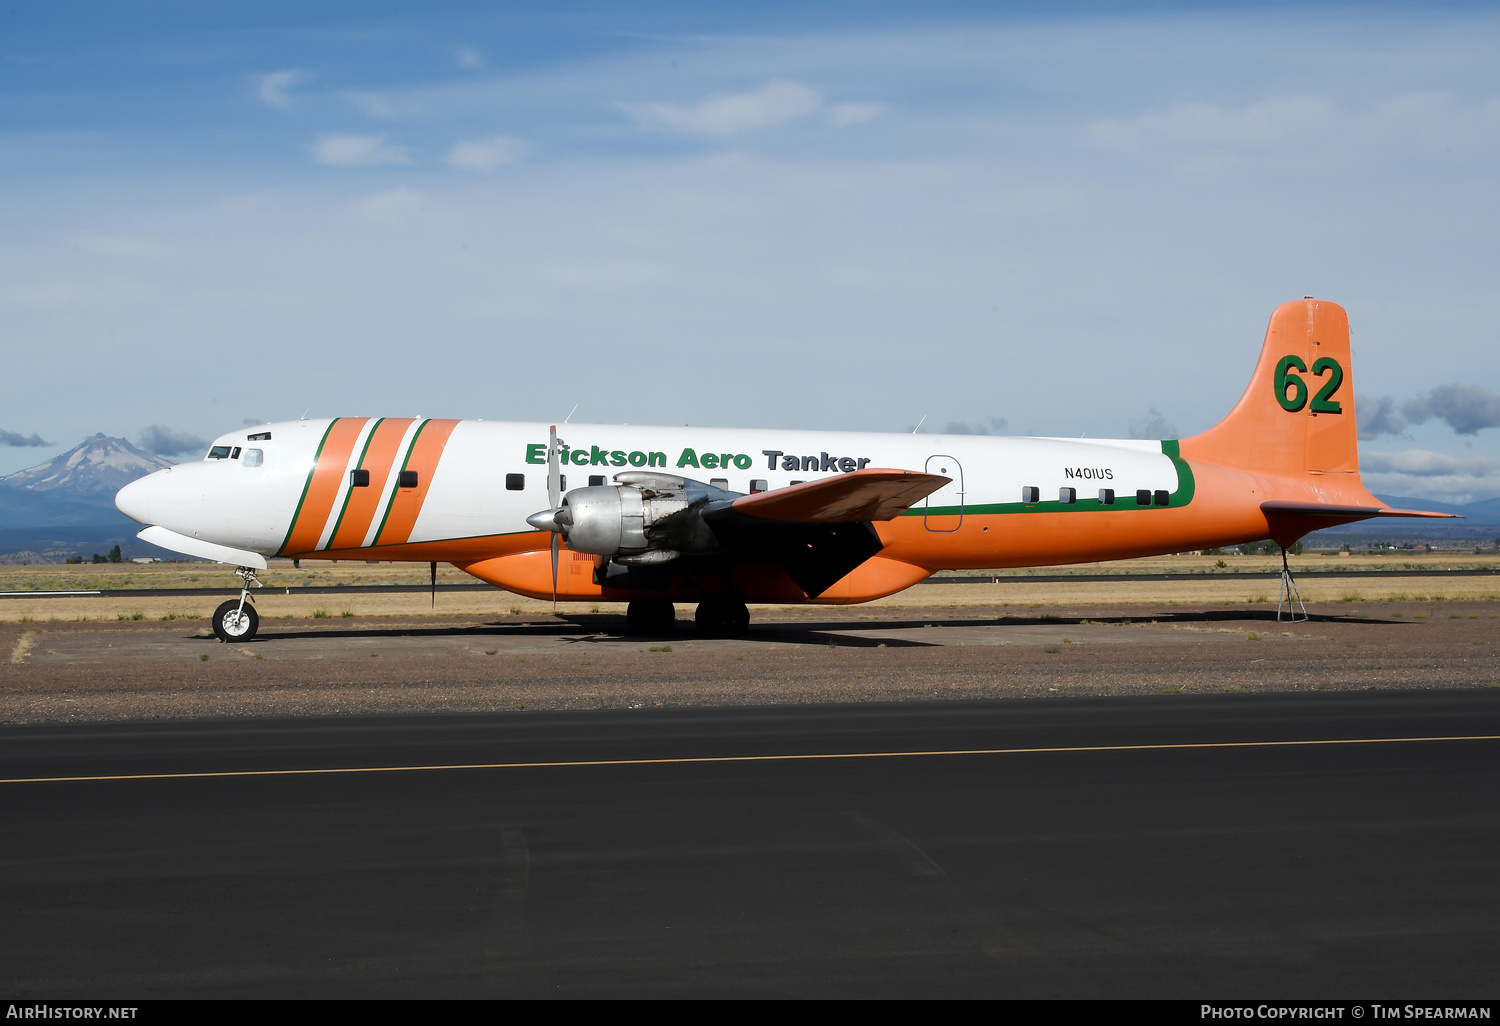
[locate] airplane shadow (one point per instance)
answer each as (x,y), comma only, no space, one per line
(612,629)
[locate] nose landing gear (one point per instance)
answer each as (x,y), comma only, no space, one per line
(236,621)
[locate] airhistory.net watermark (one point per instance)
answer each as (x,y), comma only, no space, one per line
(70,1011)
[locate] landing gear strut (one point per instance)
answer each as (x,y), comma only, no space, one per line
(651,617)
(1289,593)
(722,618)
(236,621)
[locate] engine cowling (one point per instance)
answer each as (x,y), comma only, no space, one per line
(645,518)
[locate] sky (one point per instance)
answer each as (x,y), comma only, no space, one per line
(1057,219)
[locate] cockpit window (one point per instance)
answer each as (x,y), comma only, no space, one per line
(254,457)
(219,452)
(235,454)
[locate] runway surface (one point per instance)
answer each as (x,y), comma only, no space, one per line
(815,851)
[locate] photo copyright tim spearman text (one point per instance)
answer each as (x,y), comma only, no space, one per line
(1373,1011)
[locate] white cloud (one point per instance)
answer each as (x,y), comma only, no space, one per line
(487,154)
(383,106)
(774,103)
(1432,475)
(1211,125)
(1423,463)
(1305,132)
(273,87)
(360,150)
(842,115)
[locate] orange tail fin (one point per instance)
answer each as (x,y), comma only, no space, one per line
(1297,416)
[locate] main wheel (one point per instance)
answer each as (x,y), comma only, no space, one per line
(652,617)
(231,623)
(722,618)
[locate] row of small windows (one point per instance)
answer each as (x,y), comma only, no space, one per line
(517,482)
(1030,494)
(1143,497)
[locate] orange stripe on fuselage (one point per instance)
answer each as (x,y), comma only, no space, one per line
(380,455)
(407,502)
(327,475)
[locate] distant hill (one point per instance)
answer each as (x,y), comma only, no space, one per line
(66,506)
(96,468)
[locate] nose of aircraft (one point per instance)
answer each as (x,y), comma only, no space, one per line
(134,500)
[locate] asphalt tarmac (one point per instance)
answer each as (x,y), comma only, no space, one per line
(1210,846)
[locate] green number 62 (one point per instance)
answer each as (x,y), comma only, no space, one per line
(1286,379)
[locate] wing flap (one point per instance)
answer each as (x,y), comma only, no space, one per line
(863,495)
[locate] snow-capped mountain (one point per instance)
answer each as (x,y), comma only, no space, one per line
(97,468)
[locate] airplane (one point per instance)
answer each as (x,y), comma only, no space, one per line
(718,517)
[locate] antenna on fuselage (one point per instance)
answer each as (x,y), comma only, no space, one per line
(305,412)
(919,424)
(571,412)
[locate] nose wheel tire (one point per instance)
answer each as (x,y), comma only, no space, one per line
(233,623)
(651,617)
(722,618)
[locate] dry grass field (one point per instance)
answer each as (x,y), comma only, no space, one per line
(1199,581)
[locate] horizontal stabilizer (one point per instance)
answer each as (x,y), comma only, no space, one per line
(863,495)
(1346,513)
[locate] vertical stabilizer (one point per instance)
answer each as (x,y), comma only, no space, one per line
(1297,416)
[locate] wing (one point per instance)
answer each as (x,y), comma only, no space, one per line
(862,495)
(819,531)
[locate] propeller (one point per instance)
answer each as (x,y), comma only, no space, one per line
(554,499)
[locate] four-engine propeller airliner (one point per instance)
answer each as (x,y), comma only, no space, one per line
(722,517)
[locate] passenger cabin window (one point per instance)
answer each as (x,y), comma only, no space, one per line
(1067,495)
(408,479)
(595,480)
(719,482)
(759,485)
(359,479)
(254,457)
(1031,493)
(1163,497)
(1106,496)
(515,482)
(1143,497)
(219,452)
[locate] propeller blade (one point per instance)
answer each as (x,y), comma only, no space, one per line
(554,496)
(554,470)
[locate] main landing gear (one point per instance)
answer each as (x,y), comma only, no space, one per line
(722,618)
(651,617)
(237,621)
(716,618)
